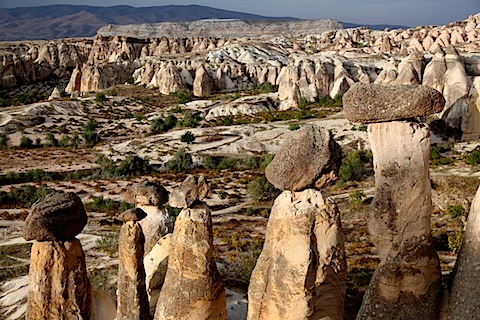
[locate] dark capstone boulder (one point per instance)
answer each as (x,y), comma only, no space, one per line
(147,193)
(135,214)
(379,103)
(309,158)
(56,217)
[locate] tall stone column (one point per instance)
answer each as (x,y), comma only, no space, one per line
(58,283)
(302,270)
(132,293)
(465,289)
(407,282)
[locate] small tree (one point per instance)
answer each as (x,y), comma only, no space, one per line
(51,140)
(26,142)
(100,97)
(180,162)
(187,137)
(90,134)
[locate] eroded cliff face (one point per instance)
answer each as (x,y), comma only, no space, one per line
(310,66)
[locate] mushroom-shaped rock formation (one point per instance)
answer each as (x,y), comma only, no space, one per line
(151,198)
(302,271)
(407,282)
(308,158)
(377,103)
(56,217)
(64,291)
(193,289)
(132,293)
(190,190)
(465,290)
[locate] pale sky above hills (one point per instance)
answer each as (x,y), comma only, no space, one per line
(405,12)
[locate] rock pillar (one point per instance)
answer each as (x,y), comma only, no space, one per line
(58,283)
(132,294)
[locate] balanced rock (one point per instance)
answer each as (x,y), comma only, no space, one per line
(56,217)
(377,103)
(64,291)
(135,214)
(193,289)
(151,198)
(302,271)
(132,293)
(407,281)
(465,289)
(310,157)
(190,190)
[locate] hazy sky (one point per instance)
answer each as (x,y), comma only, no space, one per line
(405,12)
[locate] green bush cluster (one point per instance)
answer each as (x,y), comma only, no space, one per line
(90,134)
(108,243)
(260,189)
(35,175)
(160,125)
(100,97)
(187,137)
(4,141)
(356,165)
(191,120)
(184,97)
(22,197)
(473,157)
(101,204)
(26,142)
(436,157)
(131,166)
(456,211)
(294,126)
(180,161)
(249,162)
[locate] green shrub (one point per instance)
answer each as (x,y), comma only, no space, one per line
(327,101)
(436,157)
(184,97)
(456,211)
(356,165)
(173,212)
(357,196)
(363,127)
(455,240)
(108,244)
(90,134)
(260,189)
(4,141)
(27,98)
(100,97)
(267,87)
(294,126)
(159,125)
(100,204)
(134,166)
(75,140)
(303,102)
(180,161)
(191,120)
(128,114)
(34,175)
(227,121)
(22,197)
(187,137)
(222,194)
(473,157)
(139,117)
(51,140)
(26,142)
(130,80)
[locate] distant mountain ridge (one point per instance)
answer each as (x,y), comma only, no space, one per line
(72,21)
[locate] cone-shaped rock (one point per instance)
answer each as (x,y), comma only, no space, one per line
(57,217)
(132,293)
(193,289)
(203,83)
(464,302)
(377,103)
(308,158)
(301,272)
(58,284)
(190,190)
(407,282)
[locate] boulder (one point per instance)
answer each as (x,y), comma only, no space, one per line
(471,123)
(190,190)
(132,293)
(302,270)
(64,291)
(377,103)
(135,214)
(147,193)
(407,281)
(193,289)
(308,158)
(465,288)
(55,217)
(103,306)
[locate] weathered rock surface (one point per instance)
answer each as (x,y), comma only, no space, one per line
(465,289)
(471,122)
(151,198)
(302,271)
(58,283)
(132,294)
(135,214)
(309,158)
(203,83)
(192,288)
(103,306)
(376,103)
(407,282)
(155,263)
(190,190)
(56,217)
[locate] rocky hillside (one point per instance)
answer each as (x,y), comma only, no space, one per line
(68,21)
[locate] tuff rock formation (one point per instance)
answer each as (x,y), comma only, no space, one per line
(151,198)
(192,288)
(132,300)
(464,290)
(191,190)
(407,282)
(309,158)
(301,272)
(64,291)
